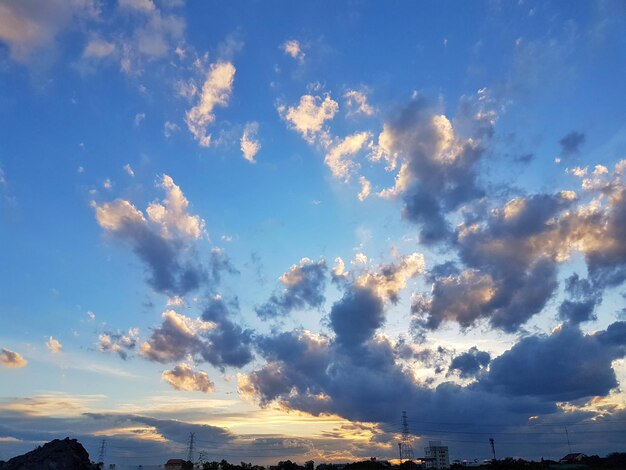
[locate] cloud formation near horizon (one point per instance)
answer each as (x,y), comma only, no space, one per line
(12,359)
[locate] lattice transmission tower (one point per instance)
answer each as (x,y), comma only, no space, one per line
(102,452)
(404,446)
(192,436)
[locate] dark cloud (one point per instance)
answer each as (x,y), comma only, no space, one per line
(424,208)
(177,336)
(317,375)
(603,233)
(571,143)
(438,164)
(229,343)
(215,338)
(470,363)
(304,287)
(165,241)
(511,265)
(584,298)
(565,366)
(130,438)
(577,311)
(171,429)
(356,317)
(220,263)
(118,342)
(172,269)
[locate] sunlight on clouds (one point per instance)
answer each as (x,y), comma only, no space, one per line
(250,146)
(339,157)
(53,345)
(29,27)
(215,92)
(172,214)
(389,280)
(52,404)
(356,102)
(12,359)
(309,116)
(292,48)
(183,377)
(366,188)
(113,216)
(142,433)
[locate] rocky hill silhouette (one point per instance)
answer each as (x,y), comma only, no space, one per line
(55,455)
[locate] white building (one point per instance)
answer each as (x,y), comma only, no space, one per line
(437,455)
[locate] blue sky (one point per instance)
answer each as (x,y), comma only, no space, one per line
(279,225)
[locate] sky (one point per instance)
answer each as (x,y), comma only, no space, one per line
(278,225)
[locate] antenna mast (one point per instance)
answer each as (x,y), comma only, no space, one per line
(493,447)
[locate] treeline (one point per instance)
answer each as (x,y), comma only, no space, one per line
(613,461)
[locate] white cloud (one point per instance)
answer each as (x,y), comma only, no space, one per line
(53,345)
(29,26)
(339,157)
(175,301)
(182,377)
(169,128)
(145,6)
(139,117)
(119,342)
(389,280)
(154,35)
(107,184)
(356,102)
(157,37)
(12,359)
(359,259)
(339,269)
(128,169)
(309,116)
(366,188)
(215,92)
(250,146)
(98,48)
(292,48)
(172,215)
(403,180)
(115,216)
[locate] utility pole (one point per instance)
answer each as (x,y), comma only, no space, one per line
(192,435)
(406,449)
(493,447)
(101,454)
